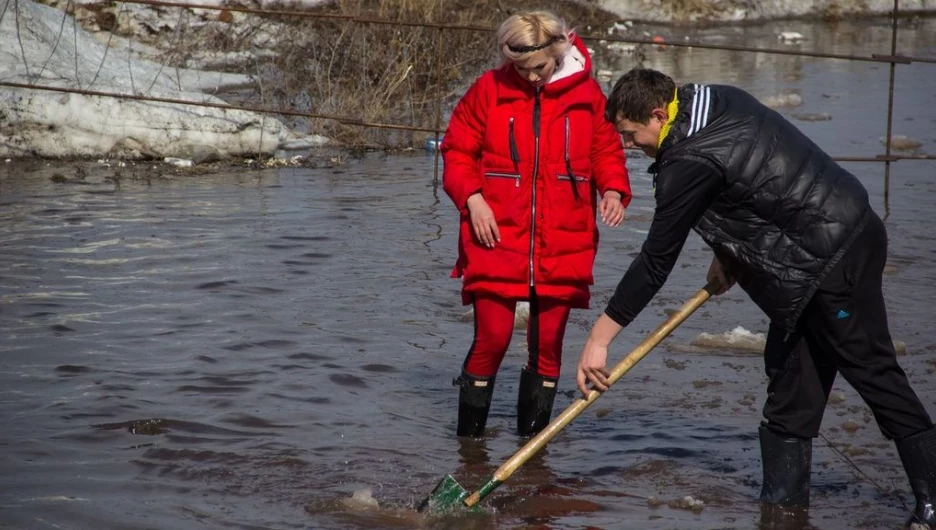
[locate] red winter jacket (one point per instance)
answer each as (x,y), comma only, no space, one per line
(492,146)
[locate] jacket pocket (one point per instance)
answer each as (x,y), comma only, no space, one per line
(503,194)
(573,209)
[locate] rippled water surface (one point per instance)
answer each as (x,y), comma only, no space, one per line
(252,349)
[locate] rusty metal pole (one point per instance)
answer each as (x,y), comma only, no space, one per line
(438,116)
(890,110)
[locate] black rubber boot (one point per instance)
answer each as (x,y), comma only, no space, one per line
(534,402)
(474,402)
(786,462)
(918,454)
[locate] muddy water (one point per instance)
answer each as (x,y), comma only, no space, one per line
(254,349)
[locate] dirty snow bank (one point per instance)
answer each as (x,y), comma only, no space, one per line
(57,124)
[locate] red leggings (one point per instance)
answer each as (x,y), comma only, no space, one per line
(494,324)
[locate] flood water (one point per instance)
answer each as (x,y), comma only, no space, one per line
(251,349)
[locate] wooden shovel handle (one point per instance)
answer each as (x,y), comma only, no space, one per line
(621,368)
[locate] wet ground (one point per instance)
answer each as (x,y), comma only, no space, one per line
(274,349)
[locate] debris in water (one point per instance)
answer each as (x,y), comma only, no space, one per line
(675,365)
(361,499)
(433,143)
(836,397)
(783,100)
(736,339)
(900,347)
(688,503)
(902,143)
(850,426)
(147,427)
(818,116)
(790,37)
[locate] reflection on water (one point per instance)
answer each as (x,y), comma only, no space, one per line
(274,349)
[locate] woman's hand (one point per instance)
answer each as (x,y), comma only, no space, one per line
(482,221)
(611,209)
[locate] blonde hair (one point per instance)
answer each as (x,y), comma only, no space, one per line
(526,33)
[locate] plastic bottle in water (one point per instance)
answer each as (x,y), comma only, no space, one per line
(432,143)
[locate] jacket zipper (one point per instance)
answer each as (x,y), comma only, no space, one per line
(536,139)
(568,159)
(515,176)
(514,153)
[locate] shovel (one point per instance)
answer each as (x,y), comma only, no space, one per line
(449,494)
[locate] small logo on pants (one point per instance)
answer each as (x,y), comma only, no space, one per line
(842,314)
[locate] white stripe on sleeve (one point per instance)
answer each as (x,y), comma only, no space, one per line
(695,104)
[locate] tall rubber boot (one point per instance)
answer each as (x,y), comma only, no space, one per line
(534,402)
(474,402)
(918,455)
(786,462)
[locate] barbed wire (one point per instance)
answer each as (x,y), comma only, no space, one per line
(182,24)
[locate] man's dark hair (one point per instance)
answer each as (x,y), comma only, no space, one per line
(637,93)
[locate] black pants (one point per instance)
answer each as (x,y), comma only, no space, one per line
(842,330)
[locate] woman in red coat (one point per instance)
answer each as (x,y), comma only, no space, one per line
(529,159)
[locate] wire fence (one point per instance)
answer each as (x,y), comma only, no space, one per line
(353,50)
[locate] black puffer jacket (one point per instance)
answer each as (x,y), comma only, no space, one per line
(787,212)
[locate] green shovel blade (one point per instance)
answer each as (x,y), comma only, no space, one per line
(446,496)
